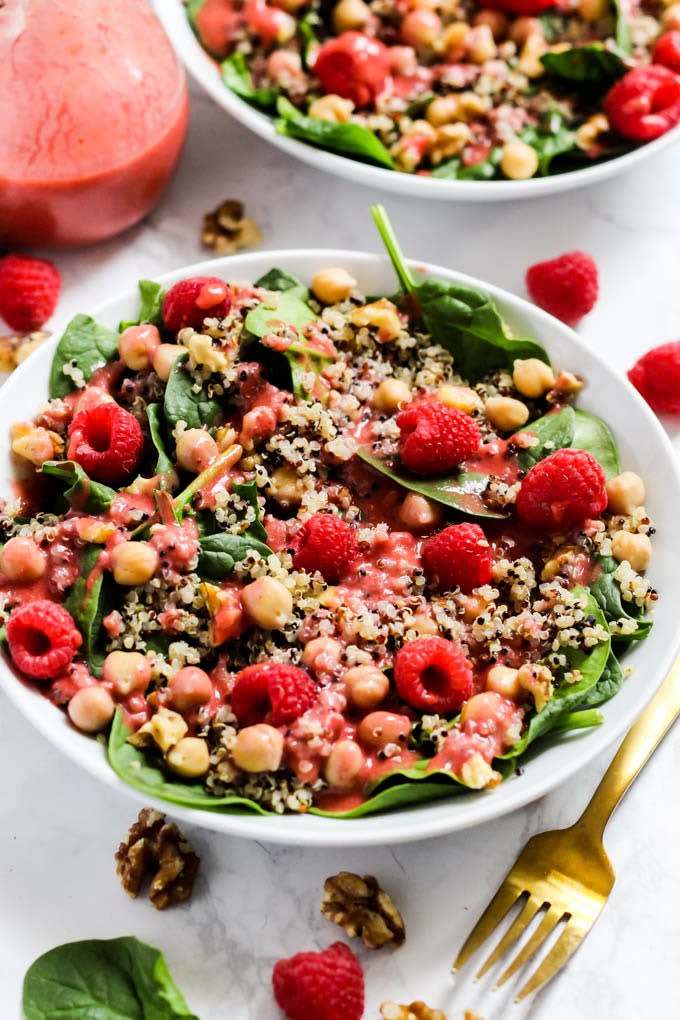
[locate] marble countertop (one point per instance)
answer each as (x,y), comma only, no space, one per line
(253,902)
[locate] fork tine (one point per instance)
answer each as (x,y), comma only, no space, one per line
(548,923)
(488,922)
(528,911)
(557,957)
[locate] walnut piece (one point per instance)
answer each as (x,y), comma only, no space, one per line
(157,848)
(227,230)
(416,1011)
(470,1014)
(361,907)
(15,349)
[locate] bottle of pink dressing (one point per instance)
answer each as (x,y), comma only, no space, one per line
(93,114)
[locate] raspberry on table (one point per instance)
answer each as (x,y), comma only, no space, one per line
(325,543)
(328,985)
(656,376)
(42,639)
(29,291)
(272,692)
(459,556)
(433,674)
(107,442)
(189,302)
(562,491)
(566,287)
(645,103)
(435,438)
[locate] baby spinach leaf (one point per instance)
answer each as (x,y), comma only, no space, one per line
(106,979)
(164,464)
(87,603)
(400,795)
(248,492)
(182,403)
(308,27)
(237,77)
(485,170)
(607,593)
(344,139)
(151,296)
(81,492)
(284,307)
(280,280)
(84,344)
(462,491)
(623,33)
(607,686)
(222,551)
(571,428)
(593,435)
(549,139)
(584,719)
(590,66)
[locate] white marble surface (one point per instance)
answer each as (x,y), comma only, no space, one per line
(255,903)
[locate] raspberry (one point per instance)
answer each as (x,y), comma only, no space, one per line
(107,442)
(667,51)
(327,544)
(433,674)
(436,438)
(644,104)
(562,491)
(189,302)
(42,639)
(567,286)
(354,66)
(29,290)
(320,986)
(656,375)
(525,8)
(272,692)
(459,556)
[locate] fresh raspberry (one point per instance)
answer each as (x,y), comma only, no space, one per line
(433,674)
(320,986)
(562,491)
(567,286)
(217,24)
(272,692)
(189,302)
(459,556)
(107,442)
(29,291)
(523,8)
(354,66)
(42,639)
(436,438)
(644,104)
(656,375)
(327,544)
(667,51)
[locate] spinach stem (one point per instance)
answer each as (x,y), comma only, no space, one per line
(578,720)
(389,239)
(225,460)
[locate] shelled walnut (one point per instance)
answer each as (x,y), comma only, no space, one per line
(362,908)
(15,349)
(157,848)
(416,1011)
(226,229)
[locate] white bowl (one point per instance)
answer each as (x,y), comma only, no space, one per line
(644,447)
(206,72)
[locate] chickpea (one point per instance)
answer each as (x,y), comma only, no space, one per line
(258,748)
(367,686)
(519,161)
(624,493)
(420,28)
(390,394)
(382,315)
(331,108)
(268,603)
(22,560)
(418,513)
(497,22)
(129,672)
(503,680)
(35,445)
(480,44)
(137,346)
(670,19)
(350,15)
(462,397)
(522,28)
(91,709)
(636,549)
(481,708)
(532,377)
(133,563)
(190,757)
(380,728)
(92,396)
(190,688)
(196,449)
(505,413)
(470,606)
(443,110)
(424,624)
(284,65)
(164,358)
(453,39)
(403,60)
(332,285)
(592,10)
(285,487)
(323,656)
(343,765)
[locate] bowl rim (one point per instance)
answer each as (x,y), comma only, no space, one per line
(204,70)
(474,808)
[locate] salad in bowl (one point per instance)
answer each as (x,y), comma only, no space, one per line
(293,547)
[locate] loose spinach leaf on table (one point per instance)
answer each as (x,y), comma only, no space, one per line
(164,464)
(463,320)
(279,280)
(579,430)
(237,77)
(221,552)
(591,66)
(151,296)
(344,139)
(549,139)
(181,403)
(81,493)
(86,345)
(106,979)
(88,602)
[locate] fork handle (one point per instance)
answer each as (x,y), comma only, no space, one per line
(642,740)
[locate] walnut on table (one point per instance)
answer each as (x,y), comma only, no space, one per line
(15,349)
(415,1011)
(227,230)
(157,848)
(362,908)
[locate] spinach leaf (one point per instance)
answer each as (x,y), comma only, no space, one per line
(607,593)
(346,139)
(81,492)
(485,170)
(549,139)
(151,296)
(590,66)
(281,308)
(86,345)
(463,320)
(110,979)
(164,464)
(248,492)
(308,27)
(593,435)
(237,77)
(398,796)
(623,33)
(181,403)
(579,430)
(462,491)
(607,686)
(88,603)
(222,551)
(280,280)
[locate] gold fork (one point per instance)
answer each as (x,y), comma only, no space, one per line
(567,871)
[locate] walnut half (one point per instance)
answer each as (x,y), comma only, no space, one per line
(361,907)
(227,229)
(156,847)
(416,1011)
